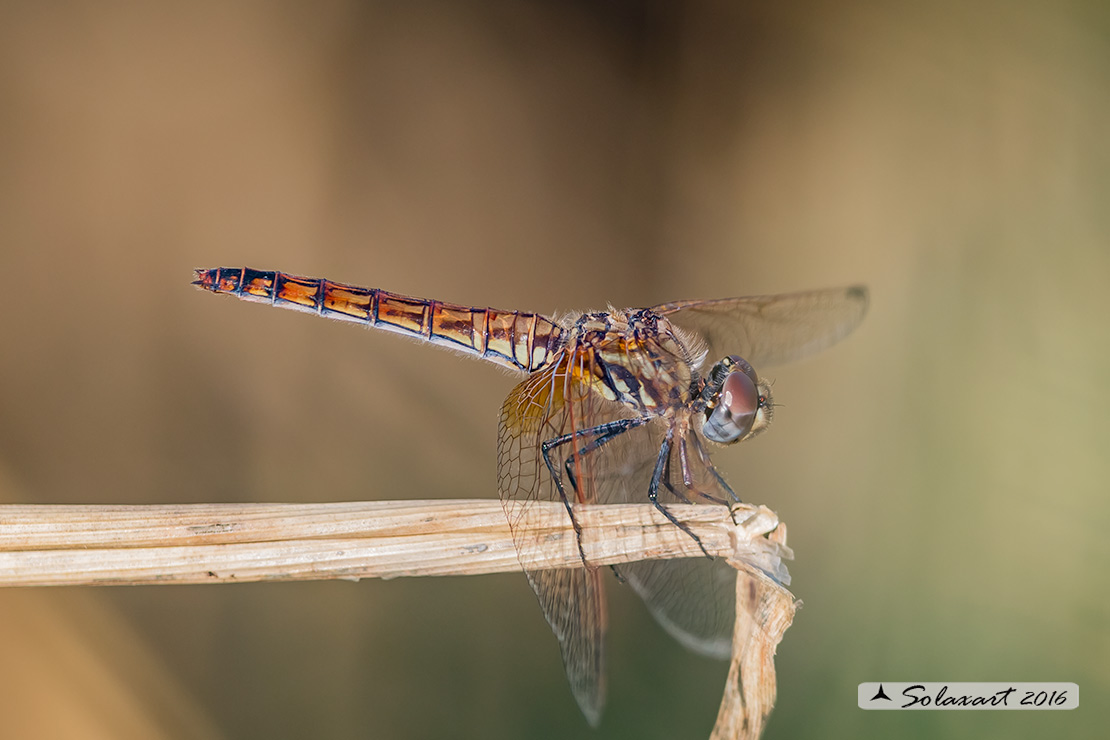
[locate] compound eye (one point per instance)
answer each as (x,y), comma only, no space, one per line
(734,413)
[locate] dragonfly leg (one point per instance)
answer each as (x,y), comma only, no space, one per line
(605,433)
(566,501)
(666,481)
(688,475)
(704,457)
(653,489)
(602,433)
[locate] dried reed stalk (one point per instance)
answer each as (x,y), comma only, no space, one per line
(209,543)
(764,610)
(221,543)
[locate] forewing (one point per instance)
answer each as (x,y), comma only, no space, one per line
(545,406)
(771,329)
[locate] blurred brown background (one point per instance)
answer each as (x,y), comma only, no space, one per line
(944,472)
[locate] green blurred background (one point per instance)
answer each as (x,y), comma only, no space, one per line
(944,472)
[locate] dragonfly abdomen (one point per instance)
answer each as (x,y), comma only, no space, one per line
(516,339)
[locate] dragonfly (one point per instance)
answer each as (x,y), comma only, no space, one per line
(616,406)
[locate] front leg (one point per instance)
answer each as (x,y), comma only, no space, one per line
(703,456)
(653,489)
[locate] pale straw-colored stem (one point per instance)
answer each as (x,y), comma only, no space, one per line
(764,610)
(212,543)
(222,543)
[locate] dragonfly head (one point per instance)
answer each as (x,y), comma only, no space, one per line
(737,403)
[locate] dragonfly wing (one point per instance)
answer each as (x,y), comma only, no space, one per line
(547,405)
(772,329)
(574,604)
(694,599)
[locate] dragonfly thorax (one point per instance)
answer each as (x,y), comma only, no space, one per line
(634,357)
